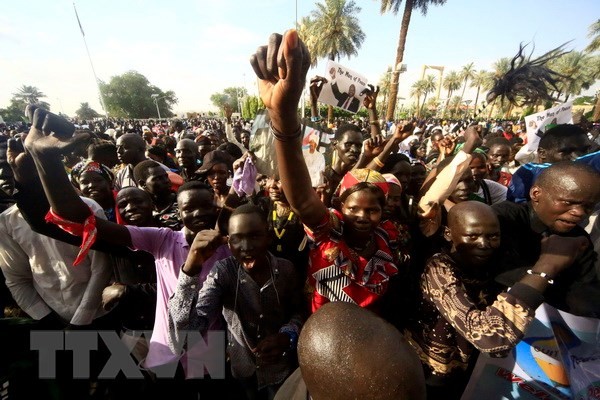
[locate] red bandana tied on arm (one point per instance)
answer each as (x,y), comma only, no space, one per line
(87,230)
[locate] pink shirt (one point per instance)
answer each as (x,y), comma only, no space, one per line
(170,250)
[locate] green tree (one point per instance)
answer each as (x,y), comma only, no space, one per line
(451,83)
(467,72)
(394,7)
(500,67)
(229,98)
(579,71)
(481,80)
(335,31)
(86,112)
(250,106)
(306,32)
(131,95)
(15,112)
(594,34)
(384,86)
(423,87)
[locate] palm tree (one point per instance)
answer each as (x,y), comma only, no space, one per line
(417,90)
(594,34)
(306,28)
(466,73)
(384,85)
(451,83)
(30,95)
(429,85)
(501,67)
(336,32)
(409,6)
(578,70)
(423,87)
(481,80)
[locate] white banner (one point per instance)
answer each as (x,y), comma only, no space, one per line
(344,87)
(537,124)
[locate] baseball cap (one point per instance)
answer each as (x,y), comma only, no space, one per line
(213,158)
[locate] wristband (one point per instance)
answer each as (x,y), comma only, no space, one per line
(378,162)
(285,138)
(543,275)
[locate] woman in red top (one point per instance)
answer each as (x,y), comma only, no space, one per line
(354,256)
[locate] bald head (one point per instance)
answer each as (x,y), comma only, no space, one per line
(470,210)
(133,138)
(348,352)
(571,175)
(131,148)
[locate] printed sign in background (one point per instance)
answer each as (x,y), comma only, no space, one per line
(343,88)
(537,124)
(559,358)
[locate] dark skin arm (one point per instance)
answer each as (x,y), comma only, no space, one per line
(281,67)
(370,103)
(316,85)
(46,148)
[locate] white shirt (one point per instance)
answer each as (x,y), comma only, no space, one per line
(40,274)
(497,191)
(315,162)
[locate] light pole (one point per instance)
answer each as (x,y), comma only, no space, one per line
(155,97)
(467,102)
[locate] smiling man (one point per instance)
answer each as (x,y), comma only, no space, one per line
(462,310)
(563,195)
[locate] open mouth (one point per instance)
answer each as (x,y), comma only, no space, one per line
(248,262)
(134,217)
(568,223)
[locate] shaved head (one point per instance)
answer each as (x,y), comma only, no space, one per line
(470,210)
(348,352)
(133,138)
(571,175)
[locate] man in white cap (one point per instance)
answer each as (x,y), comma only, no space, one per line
(315,161)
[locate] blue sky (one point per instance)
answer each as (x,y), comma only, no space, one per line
(196,48)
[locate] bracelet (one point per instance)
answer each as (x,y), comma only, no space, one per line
(315,119)
(543,275)
(378,162)
(285,138)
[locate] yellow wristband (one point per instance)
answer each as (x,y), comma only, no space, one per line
(378,162)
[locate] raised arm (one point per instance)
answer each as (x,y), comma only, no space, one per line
(46,147)
(281,67)
(370,103)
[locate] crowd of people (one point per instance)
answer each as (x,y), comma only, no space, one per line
(381,269)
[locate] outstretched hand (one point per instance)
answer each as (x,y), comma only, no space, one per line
(281,67)
(51,134)
(316,85)
(20,162)
(370,99)
(372,147)
(472,138)
(404,130)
